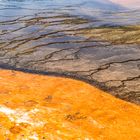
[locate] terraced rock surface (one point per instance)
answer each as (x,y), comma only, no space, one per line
(106,55)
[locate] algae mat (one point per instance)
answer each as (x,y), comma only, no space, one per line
(36,107)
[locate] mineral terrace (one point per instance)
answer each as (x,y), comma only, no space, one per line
(106,56)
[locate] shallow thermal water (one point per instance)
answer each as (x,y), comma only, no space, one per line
(54,36)
(104,10)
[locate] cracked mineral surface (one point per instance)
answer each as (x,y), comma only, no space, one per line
(103,50)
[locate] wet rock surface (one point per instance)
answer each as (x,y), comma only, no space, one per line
(74,46)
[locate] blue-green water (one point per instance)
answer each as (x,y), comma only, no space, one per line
(103,10)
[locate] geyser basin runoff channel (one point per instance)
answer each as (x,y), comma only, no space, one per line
(96,40)
(39,107)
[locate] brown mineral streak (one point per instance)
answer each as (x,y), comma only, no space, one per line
(37,107)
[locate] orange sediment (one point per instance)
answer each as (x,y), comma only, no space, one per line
(37,107)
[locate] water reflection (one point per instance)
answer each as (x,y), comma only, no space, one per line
(131,4)
(103,10)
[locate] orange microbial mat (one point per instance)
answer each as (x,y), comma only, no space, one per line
(38,107)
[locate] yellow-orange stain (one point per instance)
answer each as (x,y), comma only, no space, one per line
(37,107)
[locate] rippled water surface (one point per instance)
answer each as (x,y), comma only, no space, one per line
(104,10)
(25,16)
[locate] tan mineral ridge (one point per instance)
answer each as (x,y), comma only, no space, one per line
(116,35)
(36,107)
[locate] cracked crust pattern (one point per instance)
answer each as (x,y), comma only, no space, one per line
(70,45)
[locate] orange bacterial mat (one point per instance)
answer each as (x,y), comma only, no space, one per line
(38,107)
